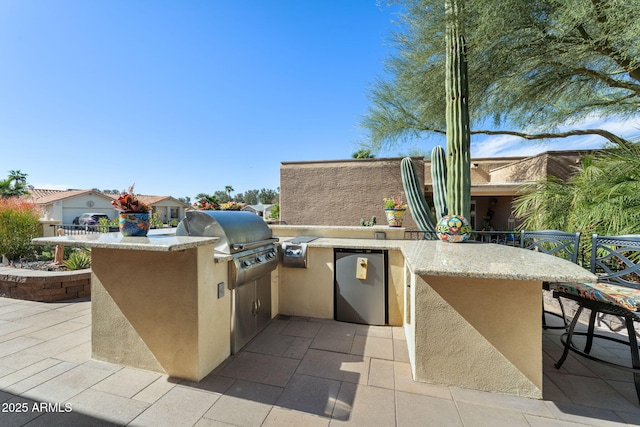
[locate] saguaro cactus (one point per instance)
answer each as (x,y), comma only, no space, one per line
(415,197)
(439,181)
(457,114)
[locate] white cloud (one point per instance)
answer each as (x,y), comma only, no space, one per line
(511,146)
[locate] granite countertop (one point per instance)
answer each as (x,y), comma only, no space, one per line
(471,259)
(153,242)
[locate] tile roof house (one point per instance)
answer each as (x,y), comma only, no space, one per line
(63,206)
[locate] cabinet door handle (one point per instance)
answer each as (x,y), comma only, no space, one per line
(258,305)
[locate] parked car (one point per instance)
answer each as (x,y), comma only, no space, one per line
(91,218)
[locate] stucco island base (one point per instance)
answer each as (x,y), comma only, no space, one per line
(160,310)
(478,333)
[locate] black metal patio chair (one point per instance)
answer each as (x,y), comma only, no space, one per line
(553,242)
(616,261)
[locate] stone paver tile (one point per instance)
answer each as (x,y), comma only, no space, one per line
(7,327)
(275,326)
(424,411)
(244,404)
(301,329)
(48,318)
(374,331)
(260,368)
(17,412)
(273,344)
(311,395)
(489,416)
(633,419)
(335,337)
(336,366)
(18,312)
(551,392)
(501,401)
(18,333)
(66,385)
(127,382)
(381,374)
(21,359)
(398,333)
(155,390)
(17,344)
(180,406)
(298,348)
(62,343)
(405,382)
(106,406)
(400,351)
(360,405)
(279,417)
(583,415)
(593,392)
(56,330)
(31,376)
(213,382)
(78,354)
(380,348)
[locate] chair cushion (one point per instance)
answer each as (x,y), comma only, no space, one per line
(621,296)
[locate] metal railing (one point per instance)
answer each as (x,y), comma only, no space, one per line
(73,229)
(509,238)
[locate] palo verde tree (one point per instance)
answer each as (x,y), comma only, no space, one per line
(534,66)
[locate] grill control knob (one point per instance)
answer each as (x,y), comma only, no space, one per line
(271,255)
(246,263)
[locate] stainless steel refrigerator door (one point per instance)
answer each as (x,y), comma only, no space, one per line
(360,300)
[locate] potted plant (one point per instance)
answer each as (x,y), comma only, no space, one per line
(394,209)
(134,219)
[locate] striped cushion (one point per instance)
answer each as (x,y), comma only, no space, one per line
(622,296)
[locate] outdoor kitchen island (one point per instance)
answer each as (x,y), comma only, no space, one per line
(155,302)
(471,311)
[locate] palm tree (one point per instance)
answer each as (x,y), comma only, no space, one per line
(15,185)
(602,197)
(229,189)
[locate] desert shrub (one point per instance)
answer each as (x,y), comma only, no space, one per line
(78,260)
(19,223)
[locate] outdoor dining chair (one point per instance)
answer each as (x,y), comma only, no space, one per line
(616,262)
(553,242)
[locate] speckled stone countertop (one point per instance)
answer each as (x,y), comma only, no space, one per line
(471,259)
(153,242)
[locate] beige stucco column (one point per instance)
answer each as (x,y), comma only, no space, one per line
(160,310)
(484,334)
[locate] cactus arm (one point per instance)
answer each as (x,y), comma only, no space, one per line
(439,181)
(415,198)
(457,114)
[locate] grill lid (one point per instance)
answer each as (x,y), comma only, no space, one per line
(237,230)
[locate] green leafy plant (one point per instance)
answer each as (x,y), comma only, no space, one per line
(368,223)
(394,203)
(19,223)
(155,221)
(78,260)
(274,213)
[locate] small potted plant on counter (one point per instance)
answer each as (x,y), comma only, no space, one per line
(394,209)
(134,219)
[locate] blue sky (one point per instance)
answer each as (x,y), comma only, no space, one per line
(185,97)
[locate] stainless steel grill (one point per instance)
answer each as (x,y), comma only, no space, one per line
(247,238)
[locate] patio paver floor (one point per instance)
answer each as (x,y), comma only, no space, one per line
(297,372)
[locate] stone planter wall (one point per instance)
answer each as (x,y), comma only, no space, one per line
(44,286)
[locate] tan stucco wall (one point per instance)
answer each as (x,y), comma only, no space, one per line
(491,328)
(310,291)
(160,311)
(341,192)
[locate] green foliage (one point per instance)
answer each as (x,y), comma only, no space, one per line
(602,197)
(15,185)
(78,260)
(534,65)
(368,223)
(155,221)
(19,223)
(274,213)
(363,153)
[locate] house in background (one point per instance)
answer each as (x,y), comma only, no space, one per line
(63,206)
(341,192)
(262,210)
